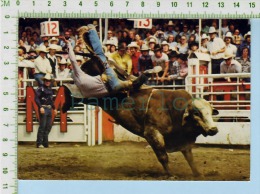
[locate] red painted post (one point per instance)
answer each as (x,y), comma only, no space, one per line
(30,105)
(58,103)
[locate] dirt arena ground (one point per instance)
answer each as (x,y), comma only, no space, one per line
(127,161)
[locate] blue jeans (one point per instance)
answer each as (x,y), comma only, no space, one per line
(96,44)
(113,80)
(45,127)
(38,77)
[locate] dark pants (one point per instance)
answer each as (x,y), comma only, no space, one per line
(215,64)
(45,127)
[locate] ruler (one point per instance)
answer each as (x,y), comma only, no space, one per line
(12,10)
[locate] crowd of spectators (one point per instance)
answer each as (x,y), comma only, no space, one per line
(168,44)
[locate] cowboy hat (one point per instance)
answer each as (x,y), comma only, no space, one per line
(133,44)
(152,39)
(204,36)
(53,47)
(247,34)
(53,39)
(47,77)
(212,30)
(228,56)
(165,43)
(79,58)
(229,35)
(63,61)
(144,48)
(170,23)
(41,48)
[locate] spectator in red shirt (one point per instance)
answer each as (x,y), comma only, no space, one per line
(135,54)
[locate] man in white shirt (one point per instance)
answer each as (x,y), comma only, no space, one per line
(42,65)
(63,71)
(230,48)
(229,65)
(160,59)
(216,47)
(52,58)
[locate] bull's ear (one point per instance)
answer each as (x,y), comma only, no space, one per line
(215,111)
(185,115)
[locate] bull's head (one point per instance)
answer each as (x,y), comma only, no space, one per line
(201,112)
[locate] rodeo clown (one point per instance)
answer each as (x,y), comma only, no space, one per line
(93,86)
(44,100)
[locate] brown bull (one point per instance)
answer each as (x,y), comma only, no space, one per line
(169,120)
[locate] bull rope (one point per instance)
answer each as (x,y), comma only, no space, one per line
(148,102)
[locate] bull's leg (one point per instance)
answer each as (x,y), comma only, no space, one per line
(156,140)
(189,157)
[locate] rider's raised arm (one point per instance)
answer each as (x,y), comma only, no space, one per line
(76,68)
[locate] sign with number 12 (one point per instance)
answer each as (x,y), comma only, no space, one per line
(50,28)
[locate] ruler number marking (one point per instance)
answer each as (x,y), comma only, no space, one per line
(189,4)
(64,3)
(205,4)
(49,3)
(5,139)
(5,186)
(221,4)
(5,154)
(80,3)
(158,3)
(5,170)
(95,3)
(142,4)
(111,3)
(174,4)
(252,4)
(236,4)
(33,3)
(127,3)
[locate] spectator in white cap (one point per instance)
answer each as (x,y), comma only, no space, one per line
(144,61)
(246,43)
(135,54)
(230,48)
(229,65)
(151,45)
(165,47)
(63,71)
(216,47)
(42,65)
(204,42)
